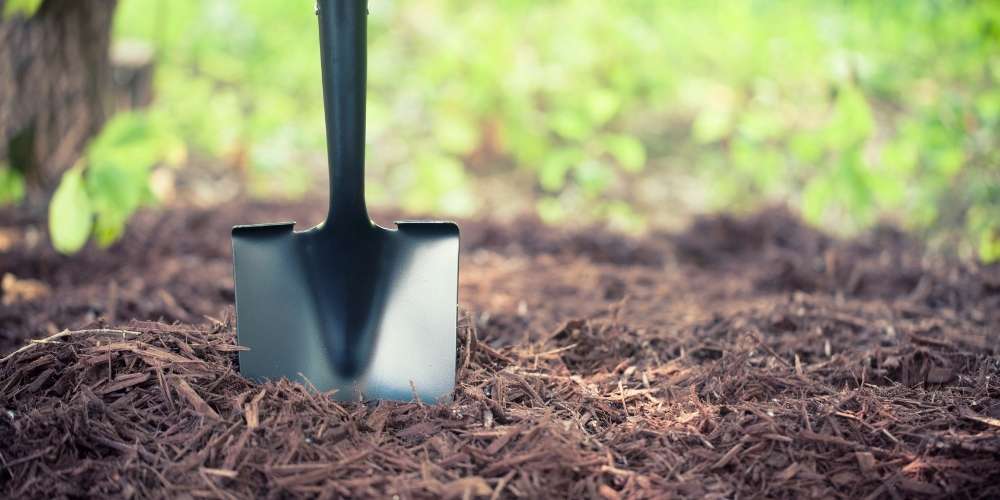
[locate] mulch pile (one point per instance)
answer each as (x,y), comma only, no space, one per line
(745,357)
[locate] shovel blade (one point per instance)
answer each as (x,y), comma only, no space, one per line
(369,313)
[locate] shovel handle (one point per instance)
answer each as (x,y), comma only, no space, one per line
(342,37)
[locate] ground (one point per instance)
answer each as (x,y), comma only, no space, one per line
(745,357)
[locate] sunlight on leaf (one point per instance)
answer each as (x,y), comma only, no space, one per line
(70,213)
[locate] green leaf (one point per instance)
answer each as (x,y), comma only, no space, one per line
(816,197)
(988,106)
(552,174)
(948,161)
(851,122)
(594,177)
(528,146)
(129,140)
(900,156)
(11,185)
(570,124)
(70,214)
(761,163)
(888,190)
(108,227)
(627,150)
(854,179)
(989,245)
(983,222)
(26,8)
(118,168)
(602,105)
(115,194)
(440,183)
(712,125)
(456,133)
(761,124)
(808,147)
(114,189)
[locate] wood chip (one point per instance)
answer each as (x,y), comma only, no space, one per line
(123,382)
(251,411)
(192,397)
(608,493)
(231,474)
(971,415)
(866,461)
(728,456)
(788,472)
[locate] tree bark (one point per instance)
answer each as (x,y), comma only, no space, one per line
(55,77)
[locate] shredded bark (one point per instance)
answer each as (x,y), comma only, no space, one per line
(750,357)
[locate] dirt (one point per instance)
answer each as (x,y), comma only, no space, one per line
(745,357)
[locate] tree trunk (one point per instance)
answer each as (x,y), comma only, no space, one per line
(55,77)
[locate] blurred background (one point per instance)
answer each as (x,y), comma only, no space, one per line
(633,113)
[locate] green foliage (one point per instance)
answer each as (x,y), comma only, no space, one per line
(98,196)
(11,184)
(70,215)
(851,110)
(26,8)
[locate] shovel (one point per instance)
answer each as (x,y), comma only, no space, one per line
(348,306)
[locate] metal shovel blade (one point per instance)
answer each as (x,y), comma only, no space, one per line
(370,313)
(349,306)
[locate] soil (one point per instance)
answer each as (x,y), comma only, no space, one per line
(745,357)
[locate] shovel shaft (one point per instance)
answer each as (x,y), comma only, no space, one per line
(349,306)
(342,33)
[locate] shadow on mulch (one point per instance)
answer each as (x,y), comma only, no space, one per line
(744,357)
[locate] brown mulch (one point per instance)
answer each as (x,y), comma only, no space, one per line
(745,357)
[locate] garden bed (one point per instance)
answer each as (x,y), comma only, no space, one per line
(744,357)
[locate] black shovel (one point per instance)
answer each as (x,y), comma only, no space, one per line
(349,305)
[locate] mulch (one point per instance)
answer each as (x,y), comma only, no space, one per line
(748,356)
